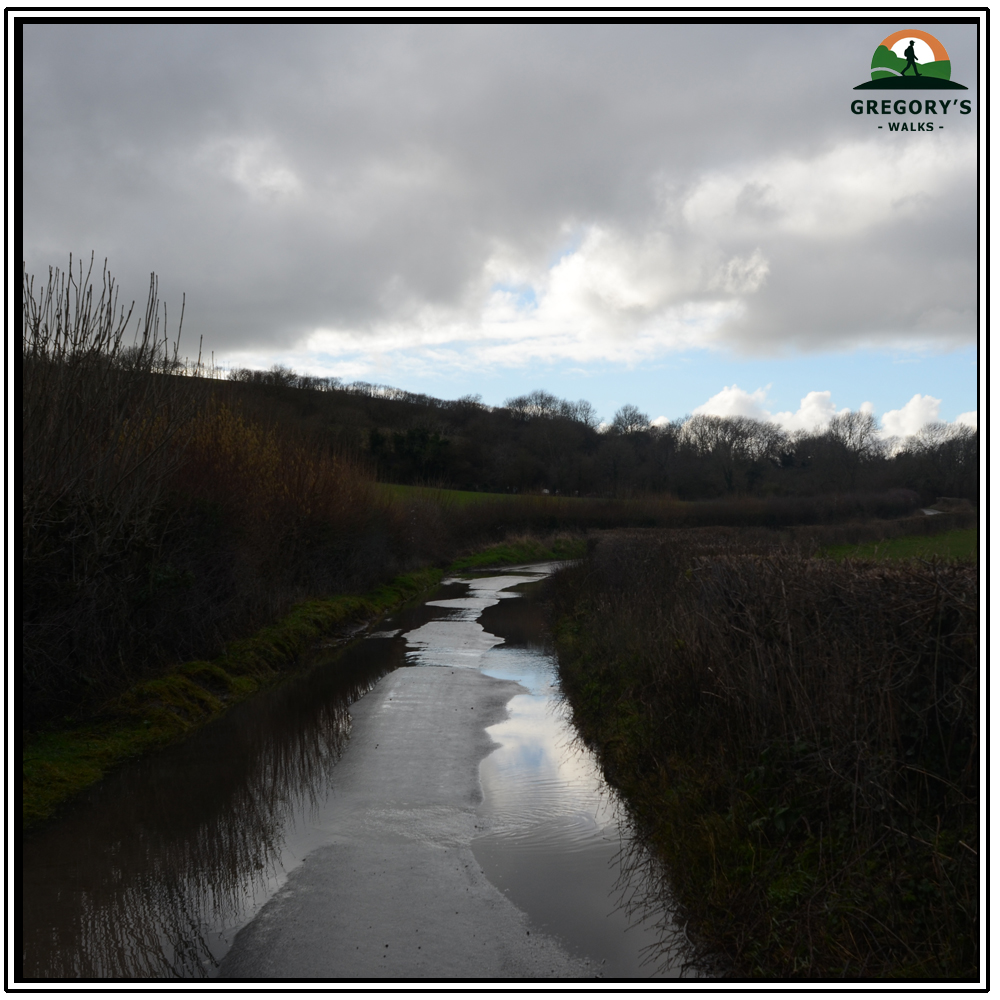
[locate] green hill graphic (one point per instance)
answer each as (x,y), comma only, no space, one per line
(886,64)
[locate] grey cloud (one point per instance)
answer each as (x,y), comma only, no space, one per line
(913,279)
(418,150)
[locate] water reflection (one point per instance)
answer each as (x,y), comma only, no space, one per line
(458,639)
(164,868)
(560,842)
(151,872)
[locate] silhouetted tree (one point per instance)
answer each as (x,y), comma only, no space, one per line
(630,419)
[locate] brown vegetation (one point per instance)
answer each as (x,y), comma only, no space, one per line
(162,518)
(800,738)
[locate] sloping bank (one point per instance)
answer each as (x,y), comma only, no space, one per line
(799,738)
(58,764)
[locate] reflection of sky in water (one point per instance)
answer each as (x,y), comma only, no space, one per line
(459,640)
(540,771)
(448,643)
(556,839)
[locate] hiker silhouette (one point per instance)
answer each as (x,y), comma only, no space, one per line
(911,59)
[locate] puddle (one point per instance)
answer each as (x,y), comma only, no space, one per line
(151,873)
(559,844)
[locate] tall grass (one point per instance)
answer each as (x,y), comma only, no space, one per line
(801,738)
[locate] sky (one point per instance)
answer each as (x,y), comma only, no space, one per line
(687,218)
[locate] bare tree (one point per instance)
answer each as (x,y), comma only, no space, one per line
(630,419)
(540,404)
(581,411)
(857,431)
(857,434)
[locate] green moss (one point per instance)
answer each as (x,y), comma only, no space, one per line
(57,765)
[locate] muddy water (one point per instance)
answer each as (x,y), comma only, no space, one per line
(154,871)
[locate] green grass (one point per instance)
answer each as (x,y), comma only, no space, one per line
(956,544)
(465,498)
(447,498)
(58,764)
(523,550)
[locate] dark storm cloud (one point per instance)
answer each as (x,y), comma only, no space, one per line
(350,177)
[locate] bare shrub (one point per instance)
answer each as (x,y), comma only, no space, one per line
(164,516)
(99,425)
(803,737)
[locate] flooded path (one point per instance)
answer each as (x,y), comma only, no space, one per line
(361,821)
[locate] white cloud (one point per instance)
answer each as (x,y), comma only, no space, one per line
(732,401)
(612,298)
(742,274)
(970,419)
(909,419)
(254,165)
(625,294)
(815,411)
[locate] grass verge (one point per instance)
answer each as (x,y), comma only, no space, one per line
(58,764)
(524,549)
(443,497)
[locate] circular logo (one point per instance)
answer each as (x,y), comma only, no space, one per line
(911,53)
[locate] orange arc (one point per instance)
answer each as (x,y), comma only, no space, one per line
(940,53)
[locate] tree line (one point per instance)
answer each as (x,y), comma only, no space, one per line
(538,442)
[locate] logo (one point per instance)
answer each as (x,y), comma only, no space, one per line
(910,60)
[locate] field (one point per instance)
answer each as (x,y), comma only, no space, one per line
(955,544)
(443,497)
(448,498)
